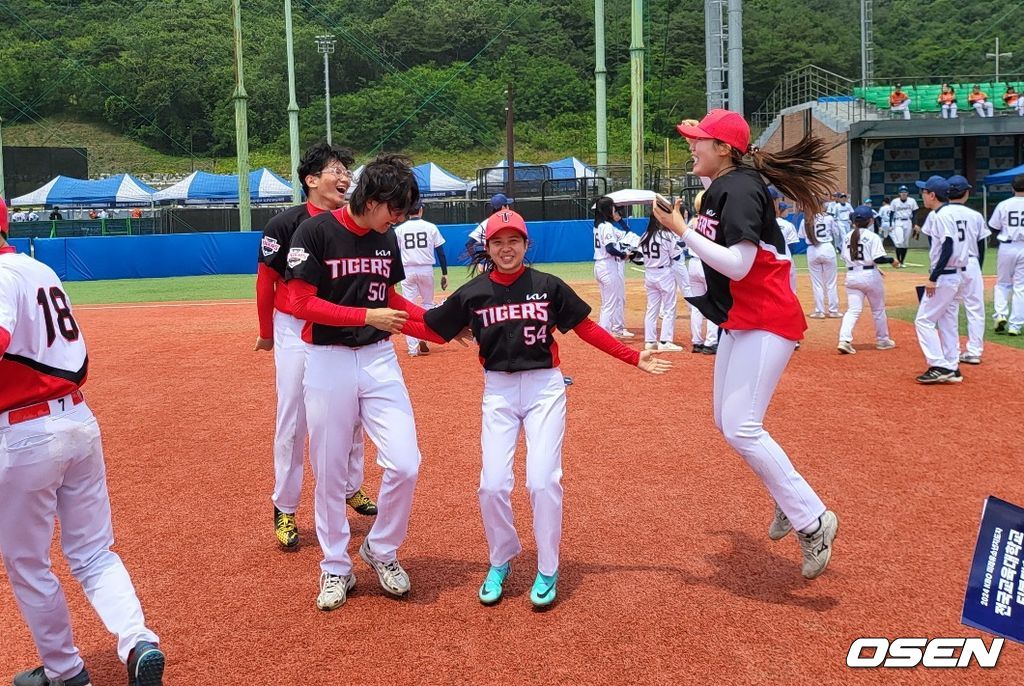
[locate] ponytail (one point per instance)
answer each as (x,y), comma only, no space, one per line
(854,240)
(653,227)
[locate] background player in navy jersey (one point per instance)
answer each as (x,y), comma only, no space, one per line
(513,312)
(51,468)
(749,297)
(325,177)
(342,269)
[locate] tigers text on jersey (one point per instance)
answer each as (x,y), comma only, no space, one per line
(47,357)
(605,233)
(660,250)
(514,323)
(903,210)
(826,229)
(946,222)
(417,239)
(864,251)
(737,207)
(973,224)
(347,269)
(1008,219)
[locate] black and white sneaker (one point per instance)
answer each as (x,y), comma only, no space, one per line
(955,377)
(145,665)
(37,677)
(935,375)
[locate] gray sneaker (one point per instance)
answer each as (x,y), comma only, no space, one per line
(846,348)
(967,358)
(334,590)
(817,547)
(393,578)
(780,525)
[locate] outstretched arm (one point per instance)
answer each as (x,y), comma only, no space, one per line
(308,307)
(602,340)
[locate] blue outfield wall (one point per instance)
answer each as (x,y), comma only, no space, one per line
(22,245)
(201,254)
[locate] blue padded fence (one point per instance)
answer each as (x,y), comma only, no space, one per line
(22,245)
(199,254)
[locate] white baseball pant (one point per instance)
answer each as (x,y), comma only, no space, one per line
(861,285)
(949,111)
(343,387)
(660,284)
(821,261)
(681,273)
(900,233)
(52,468)
(535,401)
(936,323)
(610,277)
(903,107)
(1010,279)
(290,433)
(748,367)
(418,284)
(699,286)
(972,295)
(984,109)
(792,269)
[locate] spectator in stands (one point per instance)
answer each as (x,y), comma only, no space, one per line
(136,213)
(104,214)
(979,101)
(33,216)
(947,99)
(55,215)
(93,214)
(1013,100)
(18,216)
(900,101)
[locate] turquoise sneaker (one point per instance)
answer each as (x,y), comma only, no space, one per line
(490,591)
(543,592)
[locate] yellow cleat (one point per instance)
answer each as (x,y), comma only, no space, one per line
(362,503)
(285,529)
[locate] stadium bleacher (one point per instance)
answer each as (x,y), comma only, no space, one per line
(924,97)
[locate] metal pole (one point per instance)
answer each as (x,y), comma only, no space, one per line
(2,189)
(863,45)
(325,45)
(241,126)
(600,88)
(736,56)
(293,107)
(997,55)
(510,143)
(636,85)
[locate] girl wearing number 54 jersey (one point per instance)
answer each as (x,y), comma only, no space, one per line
(513,312)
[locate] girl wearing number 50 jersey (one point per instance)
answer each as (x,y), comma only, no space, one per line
(749,297)
(513,312)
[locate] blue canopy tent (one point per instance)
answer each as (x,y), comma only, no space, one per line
(203,188)
(437,182)
(65,191)
(570,168)
(998,179)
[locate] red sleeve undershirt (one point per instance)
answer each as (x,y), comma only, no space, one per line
(603,341)
(308,307)
(5,340)
(414,326)
(266,279)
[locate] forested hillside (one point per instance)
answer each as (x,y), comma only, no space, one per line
(430,74)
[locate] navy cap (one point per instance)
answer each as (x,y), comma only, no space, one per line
(863,213)
(774,192)
(935,184)
(783,206)
(958,184)
(500,200)
(904,189)
(417,207)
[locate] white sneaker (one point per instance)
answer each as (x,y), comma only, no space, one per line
(669,347)
(623,333)
(780,525)
(393,578)
(414,353)
(835,315)
(968,358)
(650,346)
(846,348)
(334,590)
(885,344)
(817,315)
(817,547)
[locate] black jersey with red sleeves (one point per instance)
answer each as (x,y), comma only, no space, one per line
(737,207)
(346,269)
(277,236)
(514,323)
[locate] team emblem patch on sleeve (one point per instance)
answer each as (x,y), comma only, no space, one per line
(269,246)
(297,256)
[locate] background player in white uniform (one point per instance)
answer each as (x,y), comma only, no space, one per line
(1008,220)
(323,172)
(51,468)
(885,219)
(821,262)
(420,241)
(862,252)
(513,312)
(609,267)
(904,210)
(936,321)
(841,211)
(972,288)
(475,240)
(702,343)
(790,235)
(657,246)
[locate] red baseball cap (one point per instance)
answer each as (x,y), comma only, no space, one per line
(4,226)
(724,125)
(505,219)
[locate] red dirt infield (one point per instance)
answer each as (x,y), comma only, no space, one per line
(667,577)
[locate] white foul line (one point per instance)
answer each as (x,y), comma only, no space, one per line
(140,306)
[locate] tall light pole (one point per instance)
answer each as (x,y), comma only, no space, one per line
(636,84)
(997,55)
(293,106)
(510,141)
(600,87)
(325,46)
(241,126)
(2,189)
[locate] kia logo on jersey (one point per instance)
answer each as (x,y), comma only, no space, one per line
(383,253)
(537,296)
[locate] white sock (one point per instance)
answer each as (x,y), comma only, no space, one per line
(810,531)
